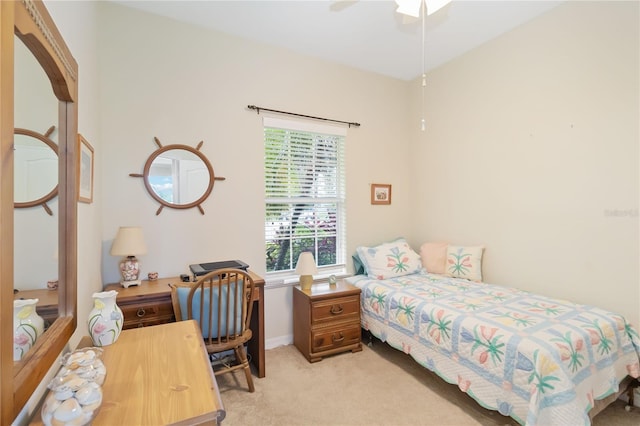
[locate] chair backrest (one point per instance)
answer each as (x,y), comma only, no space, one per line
(220,301)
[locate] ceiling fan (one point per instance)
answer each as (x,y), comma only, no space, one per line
(413,7)
(409,8)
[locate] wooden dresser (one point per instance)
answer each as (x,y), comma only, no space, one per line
(146,304)
(326,320)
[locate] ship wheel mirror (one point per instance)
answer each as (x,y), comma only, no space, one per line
(178,176)
(35,169)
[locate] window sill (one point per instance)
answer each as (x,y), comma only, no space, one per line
(291,280)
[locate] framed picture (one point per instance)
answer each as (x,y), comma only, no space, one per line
(380,193)
(85,170)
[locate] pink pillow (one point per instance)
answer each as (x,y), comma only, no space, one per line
(434,257)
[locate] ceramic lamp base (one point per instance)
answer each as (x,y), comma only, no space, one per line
(130,271)
(127,284)
(306,281)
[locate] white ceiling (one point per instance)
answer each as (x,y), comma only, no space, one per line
(365,34)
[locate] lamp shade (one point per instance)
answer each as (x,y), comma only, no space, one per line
(306,264)
(129,242)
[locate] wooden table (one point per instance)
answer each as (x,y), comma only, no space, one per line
(157,376)
(150,304)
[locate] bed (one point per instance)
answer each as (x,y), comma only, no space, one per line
(538,360)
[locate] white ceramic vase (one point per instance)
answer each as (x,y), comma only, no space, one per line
(105,319)
(27,326)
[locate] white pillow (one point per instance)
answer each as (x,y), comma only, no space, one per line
(465,262)
(388,260)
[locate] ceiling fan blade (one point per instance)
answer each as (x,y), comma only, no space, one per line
(413,7)
(409,20)
(339,5)
(409,7)
(435,5)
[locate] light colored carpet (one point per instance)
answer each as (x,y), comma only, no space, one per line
(378,386)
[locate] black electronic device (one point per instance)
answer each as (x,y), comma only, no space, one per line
(199,269)
(184,278)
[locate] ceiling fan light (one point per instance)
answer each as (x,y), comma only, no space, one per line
(435,5)
(409,7)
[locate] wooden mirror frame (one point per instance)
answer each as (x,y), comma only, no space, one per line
(163,203)
(30,21)
(54,192)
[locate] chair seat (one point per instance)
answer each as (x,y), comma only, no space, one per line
(227,344)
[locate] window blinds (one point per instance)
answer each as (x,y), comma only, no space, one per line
(304,192)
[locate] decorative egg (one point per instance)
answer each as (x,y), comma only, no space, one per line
(91,408)
(63,395)
(89,394)
(68,410)
(99,379)
(87,372)
(87,357)
(81,420)
(81,357)
(60,383)
(48,407)
(76,383)
(63,371)
(99,365)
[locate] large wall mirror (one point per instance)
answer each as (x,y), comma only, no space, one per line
(35,184)
(38,95)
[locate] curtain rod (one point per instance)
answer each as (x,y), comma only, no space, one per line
(258,109)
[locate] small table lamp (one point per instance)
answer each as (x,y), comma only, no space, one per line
(129,242)
(306,267)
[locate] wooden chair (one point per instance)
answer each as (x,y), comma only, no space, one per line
(224,321)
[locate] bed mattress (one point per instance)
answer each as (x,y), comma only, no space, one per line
(539,360)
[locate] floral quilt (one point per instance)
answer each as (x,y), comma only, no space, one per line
(539,360)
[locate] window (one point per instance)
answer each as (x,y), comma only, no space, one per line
(304,194)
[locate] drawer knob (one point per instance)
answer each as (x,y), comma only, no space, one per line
(141,312)
(336,309)
(337,339)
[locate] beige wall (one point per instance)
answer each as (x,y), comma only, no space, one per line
(532,150)
(500,163)
(184,84)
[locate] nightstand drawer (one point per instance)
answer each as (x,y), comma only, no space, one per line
(338,309)
(335,337)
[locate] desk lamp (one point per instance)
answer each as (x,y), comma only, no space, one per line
(129,242)
(306,267)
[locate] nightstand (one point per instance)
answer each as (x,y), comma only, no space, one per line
(326,320)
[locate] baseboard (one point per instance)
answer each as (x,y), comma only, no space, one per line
(278,341)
